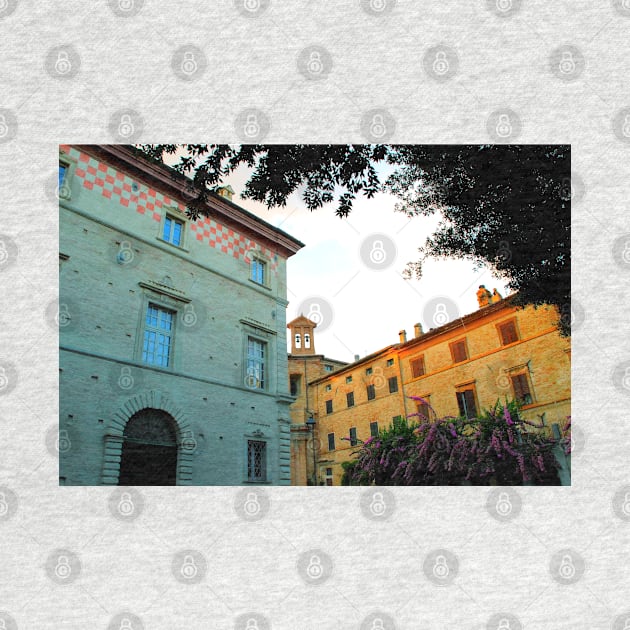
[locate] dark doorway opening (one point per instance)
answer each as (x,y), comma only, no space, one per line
(149,452)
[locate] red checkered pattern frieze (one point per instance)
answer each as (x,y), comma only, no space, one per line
(117,186)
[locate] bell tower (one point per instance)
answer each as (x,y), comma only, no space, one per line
(302,337)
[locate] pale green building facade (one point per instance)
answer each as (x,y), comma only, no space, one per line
(173,360)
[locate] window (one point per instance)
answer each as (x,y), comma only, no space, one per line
(328,387)
(255,377)
(331,441)
(63,169)
(424,409)
(307,340)
(329,406)
(508,332)
(328,368)
(368,371)
(295,384)
(257,271)
(417,367)
(522,392)
(172,231)
(66,168)
(348,379)
(458,351)
(298,340)
(158,332)
(466,403)
(256,460)
(353,436)
(329,481)
(390,362)
(393,384)
(350,399)
(371,392)
(374,429)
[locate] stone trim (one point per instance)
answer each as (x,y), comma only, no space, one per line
(114,436)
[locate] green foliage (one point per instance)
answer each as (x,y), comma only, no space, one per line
(504,206)
(508,207)
(497,447)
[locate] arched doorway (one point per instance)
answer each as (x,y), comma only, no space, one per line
(149,450)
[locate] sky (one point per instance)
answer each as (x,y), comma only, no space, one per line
(349,275)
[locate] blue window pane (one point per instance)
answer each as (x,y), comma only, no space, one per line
(167,230)
(62,174)
(177,233)
(258,271)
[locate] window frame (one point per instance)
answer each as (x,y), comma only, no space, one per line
(417,361)
(265,465)
(452,346)
(371,391)
(328,387)
(329,406)
(161,305)
(174,215)
(530,390)
(295,378)
(350,399)
(348,379)
(369,371)
(461,389)
(503,324)
(257,257)
(64,190)
(393,380)
(420,405)
(389,363)
(331,440)
(265,362)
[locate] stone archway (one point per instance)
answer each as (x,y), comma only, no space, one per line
(149,450)
(146,428)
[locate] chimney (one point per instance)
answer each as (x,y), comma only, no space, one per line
(356,357)
(484,297)
(403,336)
(225,191)
(417,330)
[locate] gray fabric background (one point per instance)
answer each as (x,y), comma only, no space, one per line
(375,55)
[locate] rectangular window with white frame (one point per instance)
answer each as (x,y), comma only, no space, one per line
(258,271)
(256,460)
(173,231)
(255,374)
(158,336)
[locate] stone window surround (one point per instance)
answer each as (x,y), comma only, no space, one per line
(258,436)
(257,255)
(169,299)
(175,215)
(259,332)
(523,368)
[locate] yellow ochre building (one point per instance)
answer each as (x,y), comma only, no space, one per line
(460,368)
